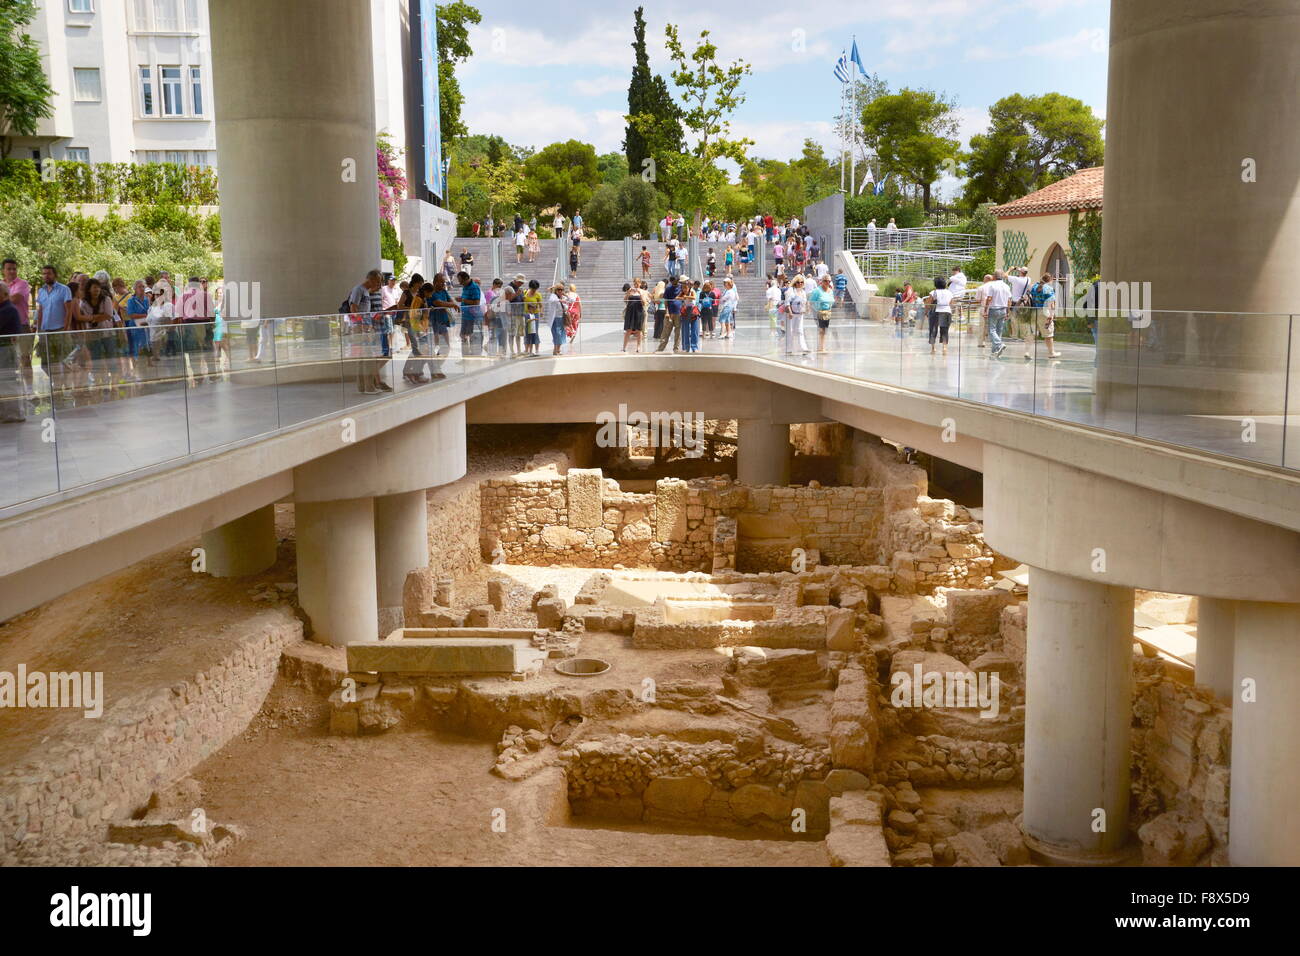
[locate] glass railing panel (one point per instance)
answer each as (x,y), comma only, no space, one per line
(232,395)
(306,356)
(28,430)
(1214,381)
(115,413)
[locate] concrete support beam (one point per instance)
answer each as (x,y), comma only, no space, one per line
(1078,709)
(401,546)
(424,453)
(296,148)
(1051,515)
(241,547)
(336,569)
(763,453)
(1263,814)
(1216,628)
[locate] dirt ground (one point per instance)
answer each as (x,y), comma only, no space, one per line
(420,798)
(148,626)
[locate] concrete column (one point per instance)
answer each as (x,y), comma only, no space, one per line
(1216,623)
(336,568)
(763,453)
(401,546)
(1263,814)
(296,148)
(1237,191)
(241,547)
(1078,699)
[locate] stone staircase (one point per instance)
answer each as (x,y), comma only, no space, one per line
(600,274)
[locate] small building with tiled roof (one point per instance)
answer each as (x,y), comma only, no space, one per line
(1034,230)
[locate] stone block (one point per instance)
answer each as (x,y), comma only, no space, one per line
(444,592)
(840,635)
(586,497)
(840,781)
(855,807)
(496,589)
(417,593)
(446,655)
(670,510)
(754,800)
(550,613)
(679,796)
(1006,840)
(857,845)
(918,854)
(480,616)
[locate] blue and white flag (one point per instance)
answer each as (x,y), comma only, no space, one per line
(842,67)
(854,58)
(880,186)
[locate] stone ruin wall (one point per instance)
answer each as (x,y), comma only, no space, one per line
(585,520)
(142,743)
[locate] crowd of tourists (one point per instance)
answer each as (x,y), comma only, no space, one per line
(106,332)
(1007,305)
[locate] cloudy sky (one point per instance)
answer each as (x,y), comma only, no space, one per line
(547,70)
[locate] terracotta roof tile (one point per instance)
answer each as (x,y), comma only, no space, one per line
(1083,190)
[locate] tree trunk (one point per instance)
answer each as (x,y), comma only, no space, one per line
(925,194)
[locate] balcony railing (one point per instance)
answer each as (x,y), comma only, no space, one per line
(97,405)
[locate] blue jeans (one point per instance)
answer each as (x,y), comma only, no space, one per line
(691,335)
(997,319)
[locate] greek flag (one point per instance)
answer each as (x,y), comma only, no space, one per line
(842,67)
(880,186)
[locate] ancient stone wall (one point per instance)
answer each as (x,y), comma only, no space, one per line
(1182,747)
(743,783)
(142,743)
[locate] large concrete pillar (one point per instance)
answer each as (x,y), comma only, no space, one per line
(1216,625)
(401,546)
(336,568)
(1078,709)
(1210,221)
(294,93)
(1264,811)
(762,453)
(241,547)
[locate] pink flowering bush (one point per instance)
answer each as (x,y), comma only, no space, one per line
(392,181)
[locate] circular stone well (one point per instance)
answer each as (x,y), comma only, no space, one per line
(582,666)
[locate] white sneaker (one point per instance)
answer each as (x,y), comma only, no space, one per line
(1028,357)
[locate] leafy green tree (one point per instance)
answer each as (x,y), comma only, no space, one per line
(25,91)
(454,21)
(709,92)
(1085,243)
(648,96)
(625,209)
(1032,141)
(860,210)
(913,132)
(612,167)
(563,174)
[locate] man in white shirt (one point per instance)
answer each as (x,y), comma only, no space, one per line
(982,300)
(871,234)
(996,299)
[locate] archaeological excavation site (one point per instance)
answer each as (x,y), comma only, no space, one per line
(612,656)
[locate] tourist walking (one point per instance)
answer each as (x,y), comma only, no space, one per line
(633,316)
(996,300)
(940,312)
(796,305)
(822,301)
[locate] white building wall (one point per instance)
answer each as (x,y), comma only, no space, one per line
(118,37)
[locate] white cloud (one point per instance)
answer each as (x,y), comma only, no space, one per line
(1089,41)
(602,85)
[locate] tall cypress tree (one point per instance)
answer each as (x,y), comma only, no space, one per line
(648,94)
